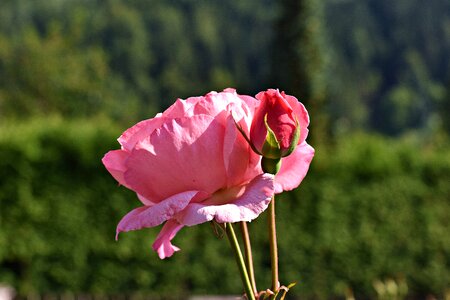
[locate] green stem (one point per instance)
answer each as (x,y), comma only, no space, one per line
(273,246)
(240,261)
(248,255)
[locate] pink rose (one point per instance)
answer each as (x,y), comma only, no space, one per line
(286,118)
(190,164)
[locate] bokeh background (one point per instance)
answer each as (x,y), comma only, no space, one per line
(371,219)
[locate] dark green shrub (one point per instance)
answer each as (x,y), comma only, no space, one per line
(370,208)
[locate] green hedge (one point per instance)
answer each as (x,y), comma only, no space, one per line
(371,208)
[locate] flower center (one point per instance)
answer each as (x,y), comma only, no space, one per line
(225,196)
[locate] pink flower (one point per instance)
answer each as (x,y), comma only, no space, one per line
(190,165)
(286,118)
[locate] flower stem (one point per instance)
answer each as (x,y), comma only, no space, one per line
(240,261)
(273,246)
(248,255)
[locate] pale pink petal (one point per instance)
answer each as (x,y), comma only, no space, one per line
(294,168)
(150,216)
(246,207)
(211,104)
(184,154)
(250,102)
(258,130)
(114,162)
(229,90)
(243,113)
(214,104)
(162,244)
(140,131)
(144,200)
(302,116)
(241,163)
(181,108)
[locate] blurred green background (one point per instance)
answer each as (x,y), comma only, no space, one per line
(372,216)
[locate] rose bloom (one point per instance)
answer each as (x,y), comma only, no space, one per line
(190,165)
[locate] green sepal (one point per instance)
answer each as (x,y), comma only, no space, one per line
(239,127)
(271,147)
(294,140)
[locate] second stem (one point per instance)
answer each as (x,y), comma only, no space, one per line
(273,246)
(248,255)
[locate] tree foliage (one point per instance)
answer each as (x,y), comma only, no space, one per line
(390,63)
(356,64)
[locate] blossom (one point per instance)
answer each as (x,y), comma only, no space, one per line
(282,116)
(190,165)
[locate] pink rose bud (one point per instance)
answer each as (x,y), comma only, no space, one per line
(275,129)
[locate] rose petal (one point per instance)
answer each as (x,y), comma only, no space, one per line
(294,168)
(214,104)
(246,207)
(144,200)
(184,154)
(181,108)
(241,163)
(114,161)
(150,216)
(162,244)
(302,116)
(140,131)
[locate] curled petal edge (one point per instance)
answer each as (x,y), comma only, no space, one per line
(246,207)
(150,216)
(162,244)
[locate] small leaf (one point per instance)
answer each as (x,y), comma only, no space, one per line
(294,140)
(286,289)
(292,284)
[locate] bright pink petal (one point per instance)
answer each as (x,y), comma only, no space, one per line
(140,131)
(114,162)
(294,168)
(246,207)
(162,244)
(184,154)
(280,118)
(150,216)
